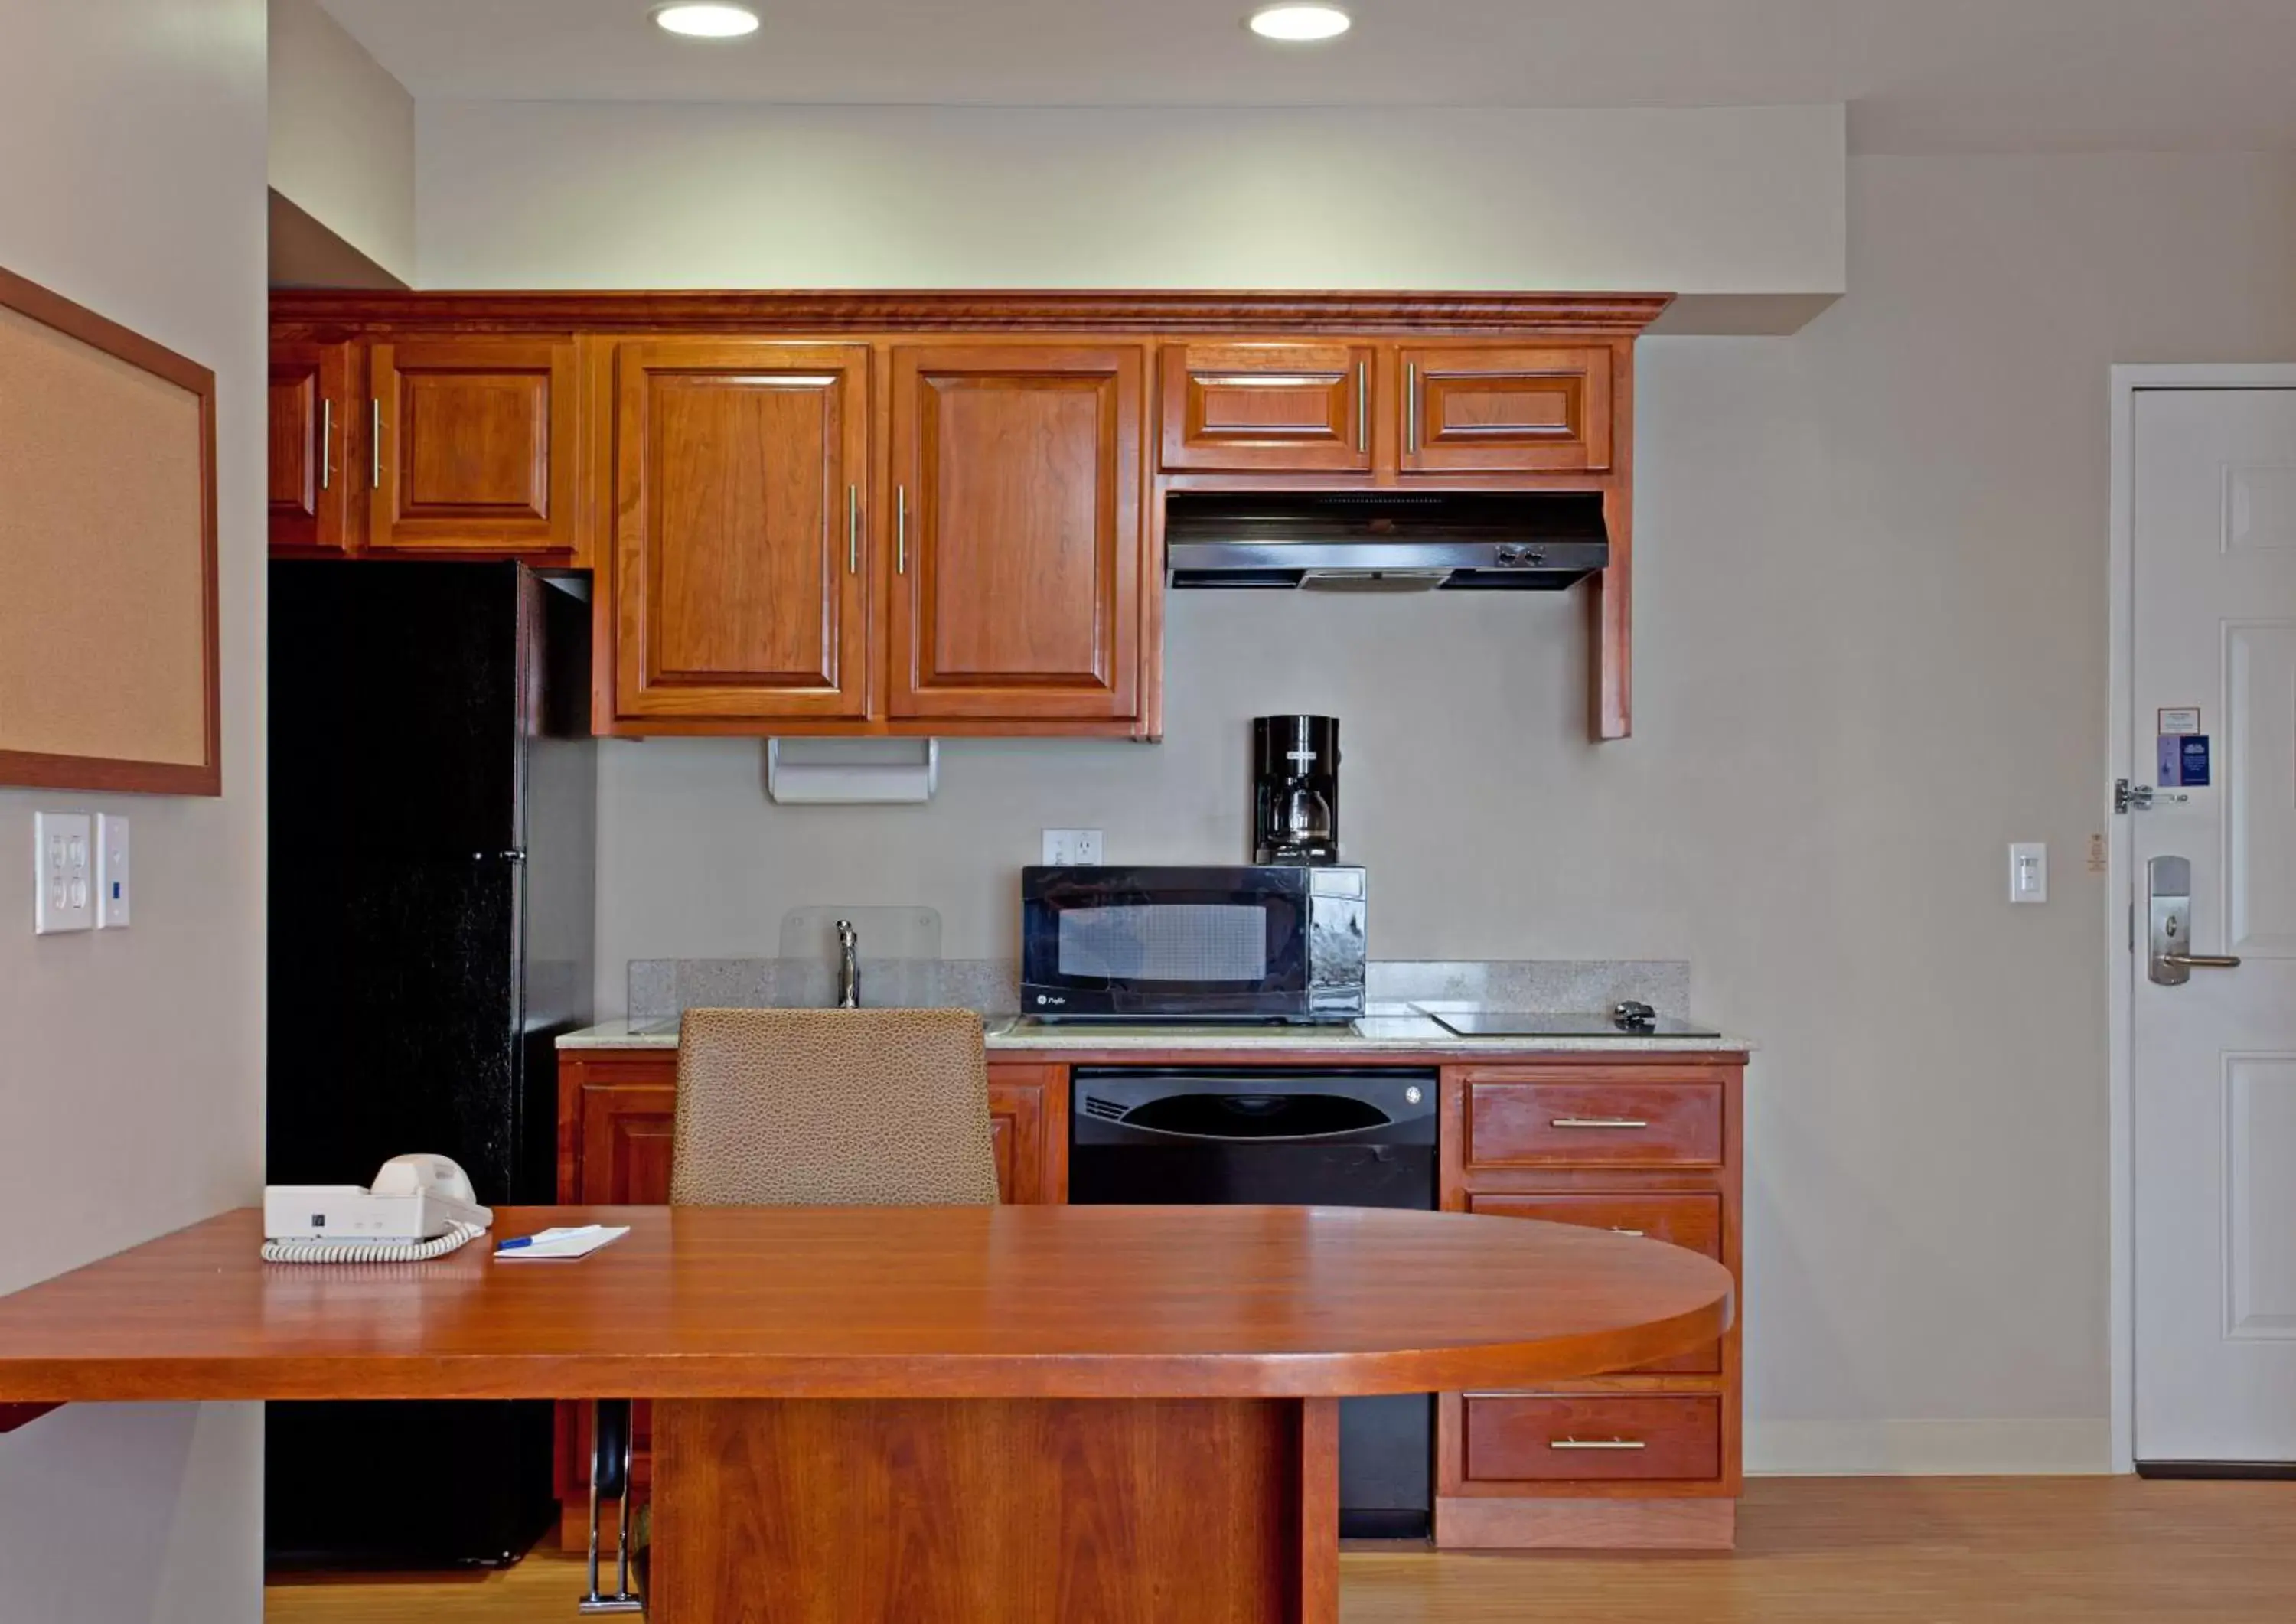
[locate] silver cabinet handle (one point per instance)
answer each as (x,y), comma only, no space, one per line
(1597,1443)
(375,443)
(1598,1122)
(326,443)
(1622,1229)
(853,529)
(1363,405)
(900,529)
(1411,405)
(2202,961)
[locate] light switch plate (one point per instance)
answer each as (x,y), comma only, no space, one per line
(113,891)
(63,876)
(1067,847)
(2029,870)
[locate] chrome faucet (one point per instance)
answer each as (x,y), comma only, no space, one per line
(849,965)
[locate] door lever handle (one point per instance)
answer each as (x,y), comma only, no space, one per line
(2169,910)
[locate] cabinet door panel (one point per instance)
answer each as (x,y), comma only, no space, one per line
(1023,1115)
(1018,557)
(1244,405)
(738,548)
(1481,409)
(312,424)
(475,449)
(626,1144)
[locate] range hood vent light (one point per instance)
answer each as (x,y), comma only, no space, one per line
(1385,541)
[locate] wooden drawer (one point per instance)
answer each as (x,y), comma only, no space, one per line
(1693,1222)
(1608,1437)
(1591,1119)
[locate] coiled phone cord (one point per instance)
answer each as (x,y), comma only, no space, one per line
(457,1236)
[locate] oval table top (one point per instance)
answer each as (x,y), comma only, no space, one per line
(831,1303)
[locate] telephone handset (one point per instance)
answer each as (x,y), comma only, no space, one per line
(421,1206)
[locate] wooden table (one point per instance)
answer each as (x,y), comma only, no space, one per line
(934,1415)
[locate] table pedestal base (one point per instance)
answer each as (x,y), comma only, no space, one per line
(996,1512)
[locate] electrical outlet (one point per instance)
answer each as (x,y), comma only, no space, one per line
(112,890)
(63,883)
(1068,848)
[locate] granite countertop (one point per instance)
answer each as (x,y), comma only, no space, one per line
(1399,1027)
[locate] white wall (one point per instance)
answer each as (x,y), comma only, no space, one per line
(1738,206)
(1870,646)
(131,1083)
(342,136)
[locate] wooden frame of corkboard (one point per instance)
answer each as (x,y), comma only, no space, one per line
(110,665)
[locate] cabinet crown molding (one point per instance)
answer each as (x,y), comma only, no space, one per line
(346,311)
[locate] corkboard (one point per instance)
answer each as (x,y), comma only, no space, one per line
(108,656)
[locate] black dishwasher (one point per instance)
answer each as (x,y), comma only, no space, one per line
(1323,1136)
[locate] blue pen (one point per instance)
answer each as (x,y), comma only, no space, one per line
(513,1245)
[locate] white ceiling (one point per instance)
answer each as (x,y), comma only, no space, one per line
(1920,75)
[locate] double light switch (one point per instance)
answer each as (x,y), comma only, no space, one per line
(64,847)
(80,873)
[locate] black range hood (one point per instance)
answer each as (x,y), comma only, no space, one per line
(1385,541)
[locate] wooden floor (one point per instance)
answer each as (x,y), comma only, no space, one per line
(1840,1551)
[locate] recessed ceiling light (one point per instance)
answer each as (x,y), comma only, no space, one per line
(711,21)
(1295,24)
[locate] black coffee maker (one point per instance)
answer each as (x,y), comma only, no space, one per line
(1295,788)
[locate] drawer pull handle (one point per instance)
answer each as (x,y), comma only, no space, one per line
(1622,1229)
(1597,1443)
(1598,1122)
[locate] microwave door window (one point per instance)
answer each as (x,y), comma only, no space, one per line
(1192,944)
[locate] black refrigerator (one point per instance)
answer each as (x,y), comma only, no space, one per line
(432,876)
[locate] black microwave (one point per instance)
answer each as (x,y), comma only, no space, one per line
(1275,942)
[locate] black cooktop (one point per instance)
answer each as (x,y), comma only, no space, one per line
(1545,1023)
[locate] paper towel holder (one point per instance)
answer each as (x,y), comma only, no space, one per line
(851,771)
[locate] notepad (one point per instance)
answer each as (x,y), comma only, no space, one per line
(546,1245)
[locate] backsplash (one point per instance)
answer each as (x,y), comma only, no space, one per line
(662,988)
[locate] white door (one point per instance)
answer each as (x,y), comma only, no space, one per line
(2213,1062)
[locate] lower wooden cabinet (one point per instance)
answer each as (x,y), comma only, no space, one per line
(1644,1458)
(616,1110)
(1647,1458)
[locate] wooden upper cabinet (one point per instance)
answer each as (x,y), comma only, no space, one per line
(1018,538)
(741,554)
(313,430)
(474,447)
(1242,403)
(1486,409)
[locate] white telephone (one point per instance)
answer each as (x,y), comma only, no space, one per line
(421,1206)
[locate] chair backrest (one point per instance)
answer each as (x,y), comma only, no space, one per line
(827,1107)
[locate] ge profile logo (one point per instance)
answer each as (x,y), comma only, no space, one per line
(1043,998)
